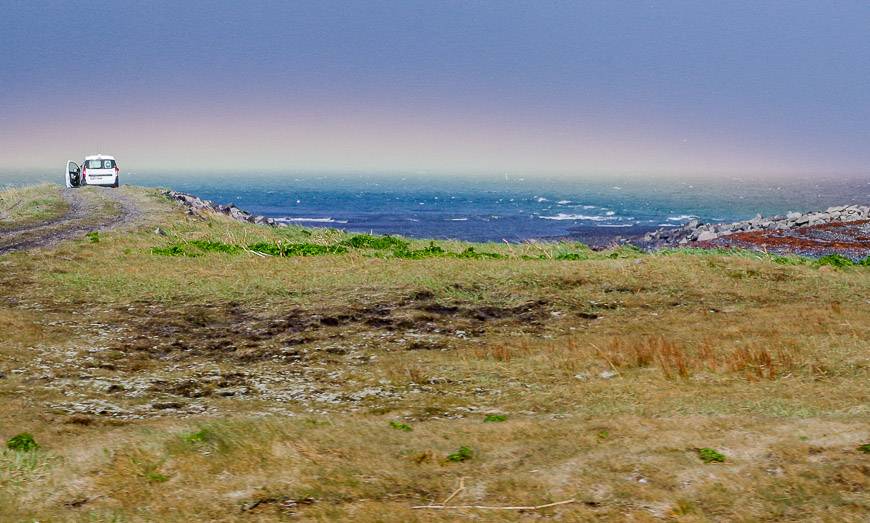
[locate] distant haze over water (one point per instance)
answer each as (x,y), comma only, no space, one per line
(497,207)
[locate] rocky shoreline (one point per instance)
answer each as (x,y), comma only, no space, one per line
(696,231)
(843,229)
(196,206)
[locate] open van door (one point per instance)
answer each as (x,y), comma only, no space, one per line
(72,174)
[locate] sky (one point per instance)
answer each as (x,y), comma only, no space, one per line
(560,88)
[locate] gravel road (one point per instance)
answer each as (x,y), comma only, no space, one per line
(87,212)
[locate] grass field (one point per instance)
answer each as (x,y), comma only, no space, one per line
(31,204)
(200,369)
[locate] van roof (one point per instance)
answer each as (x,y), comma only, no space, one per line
(99,157)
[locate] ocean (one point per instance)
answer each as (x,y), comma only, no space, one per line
(497,207)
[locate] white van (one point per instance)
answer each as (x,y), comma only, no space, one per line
(98,169)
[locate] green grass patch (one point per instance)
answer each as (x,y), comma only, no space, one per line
(398,425)
(436,251)
(93,236)
(367,241)
(865,448)
(715,251)
(463,453)
(470,253)
(172,250)
(709,455)
(200,436)
(834,260)
(494,418)
(296,249)
(23,442)
(788,260)
(428,252)
(151,473)
(213,246)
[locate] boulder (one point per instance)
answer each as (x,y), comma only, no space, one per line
(706,236)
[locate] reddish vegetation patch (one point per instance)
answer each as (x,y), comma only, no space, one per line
(851,239)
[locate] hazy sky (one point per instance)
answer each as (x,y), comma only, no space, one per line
(521,87)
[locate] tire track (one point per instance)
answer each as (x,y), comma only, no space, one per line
(86,213)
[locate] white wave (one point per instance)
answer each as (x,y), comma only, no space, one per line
(458,219)
(541,199)
(668,225)
(563,216)
(564,202)
(310,220)
(609,213)
(588,207)
(682,217)
(614,225)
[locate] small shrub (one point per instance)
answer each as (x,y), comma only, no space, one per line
(296,249)
(93,236)
(398,425)
(865,448)
(603,434)
(463,453)
(472,254)
(835,260)
(200,436)
(494,418)
(865,262)
(212,246)
(709,455)
(572,256)
(367,241)
(23,442)
(431,251)
(172,250)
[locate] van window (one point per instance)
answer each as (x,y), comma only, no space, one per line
(100,164)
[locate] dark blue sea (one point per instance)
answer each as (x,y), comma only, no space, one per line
(497,207)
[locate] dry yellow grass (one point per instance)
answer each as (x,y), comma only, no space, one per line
(27,205)
(241,388)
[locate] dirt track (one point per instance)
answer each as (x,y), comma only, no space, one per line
(91,209)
